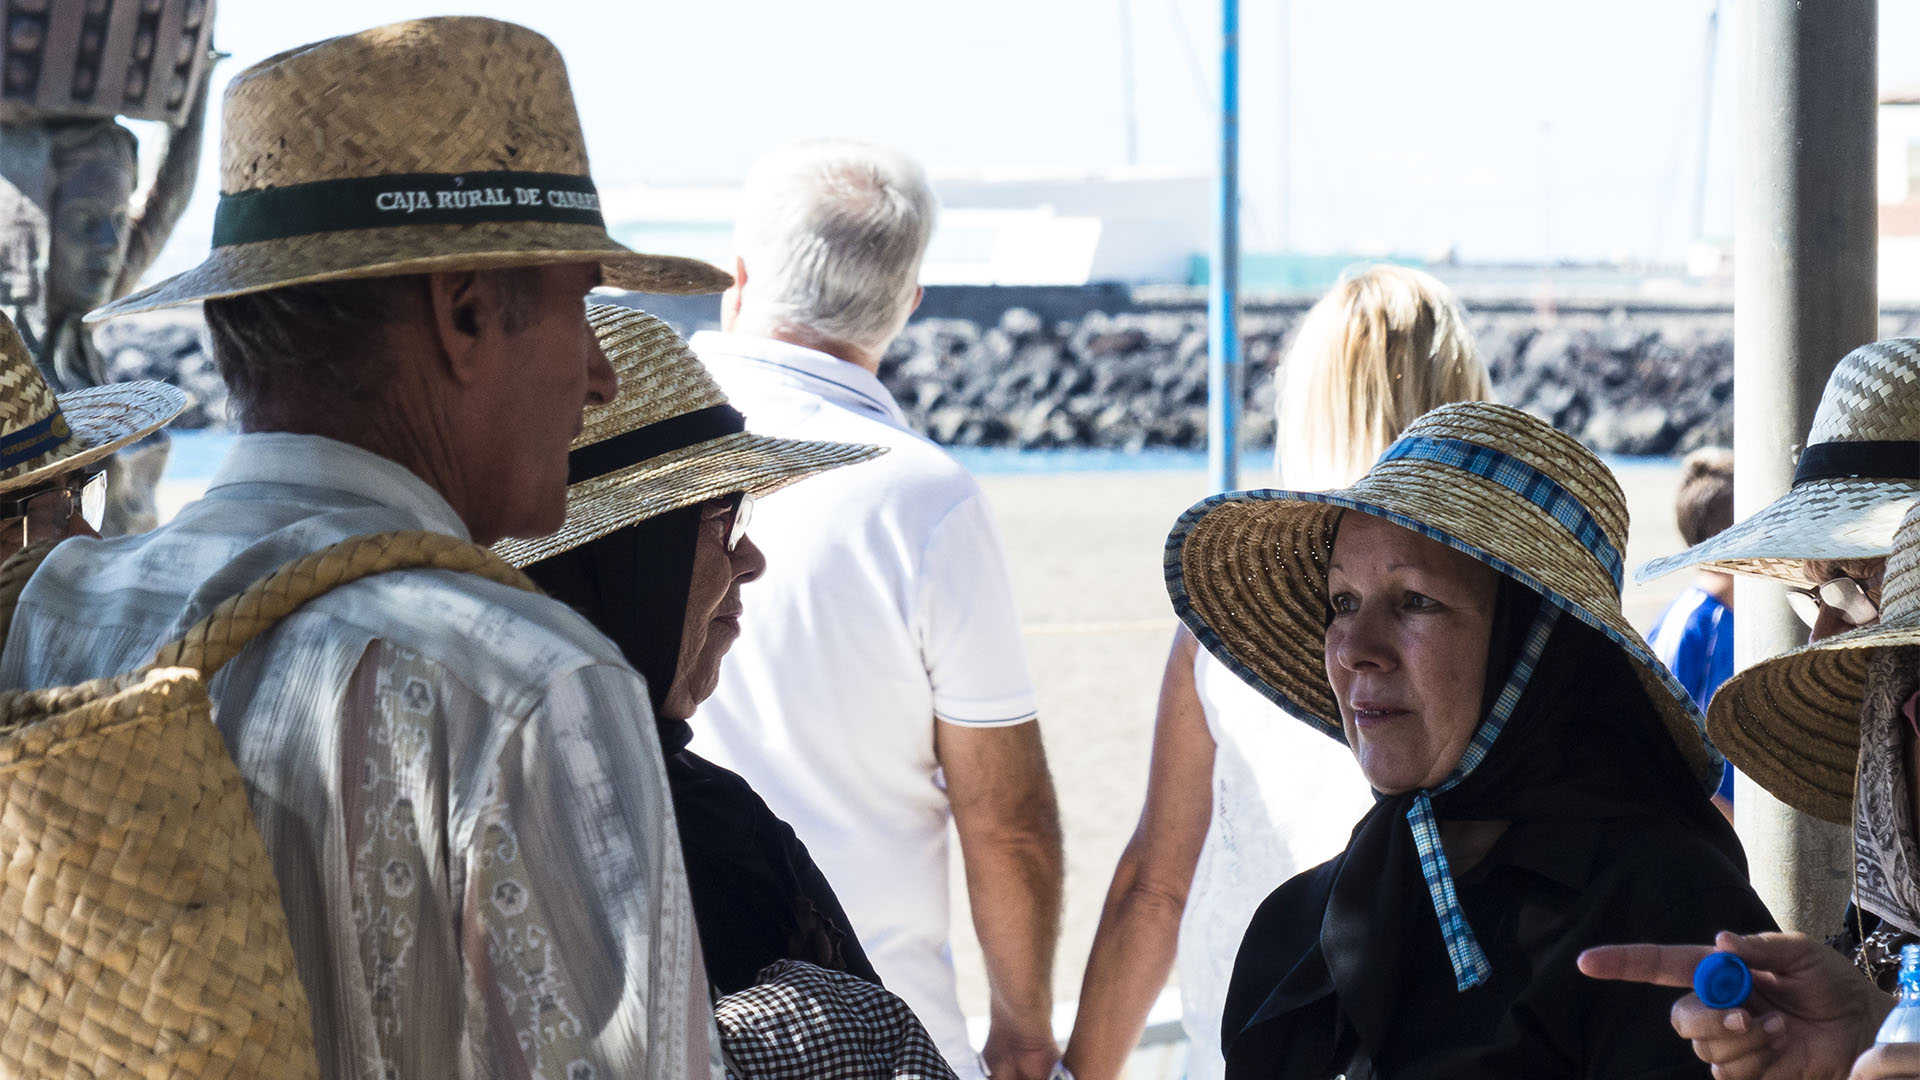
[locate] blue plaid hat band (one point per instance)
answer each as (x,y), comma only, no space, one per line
(1523,480)
(1247,571)
(1470,964)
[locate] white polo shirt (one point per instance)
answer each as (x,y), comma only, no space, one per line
(886,605)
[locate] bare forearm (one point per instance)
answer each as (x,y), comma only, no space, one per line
(1133,951)
(1009,824)
(1014,871)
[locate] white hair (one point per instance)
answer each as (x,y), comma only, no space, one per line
(832,233)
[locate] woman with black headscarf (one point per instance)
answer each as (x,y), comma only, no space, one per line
(668,593)
(1542,784)
(654,553)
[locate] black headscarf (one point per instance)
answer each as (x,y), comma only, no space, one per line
(1319,970)
(757,895)
(632,585)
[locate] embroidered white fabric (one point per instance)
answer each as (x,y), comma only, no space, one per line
(457,781)
(1285,799)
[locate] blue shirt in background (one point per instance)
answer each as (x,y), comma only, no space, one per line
(1694,638)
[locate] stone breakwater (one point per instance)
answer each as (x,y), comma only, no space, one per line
(1107,367)
(1625,378)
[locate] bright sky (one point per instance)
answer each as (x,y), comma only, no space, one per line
(1503,129)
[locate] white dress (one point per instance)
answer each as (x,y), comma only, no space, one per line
(1285,799)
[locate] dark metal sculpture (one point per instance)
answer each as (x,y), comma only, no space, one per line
(71,236)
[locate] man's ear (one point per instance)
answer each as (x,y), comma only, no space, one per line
(467,310)
(730,300)
(919,294)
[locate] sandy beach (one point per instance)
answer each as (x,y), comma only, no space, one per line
(1086,555)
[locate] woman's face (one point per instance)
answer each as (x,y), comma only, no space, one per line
(713,608)
(1870,574)
(1406,650)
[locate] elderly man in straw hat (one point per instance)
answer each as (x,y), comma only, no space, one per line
(457,783)
(1794,726)
(53,449)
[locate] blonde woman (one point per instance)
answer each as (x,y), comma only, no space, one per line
(1240,797)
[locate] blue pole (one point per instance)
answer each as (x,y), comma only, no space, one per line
(1223,277)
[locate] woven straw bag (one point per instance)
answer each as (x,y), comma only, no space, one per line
(144,935)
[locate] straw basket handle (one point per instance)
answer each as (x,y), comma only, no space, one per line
(219,637)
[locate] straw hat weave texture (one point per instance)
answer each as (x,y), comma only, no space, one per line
(1873,396)
(44,436)
(664,389)
(438,144)
(144,933)
(1247,570)
(1792,722)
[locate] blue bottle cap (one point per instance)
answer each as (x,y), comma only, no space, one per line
(1722,981)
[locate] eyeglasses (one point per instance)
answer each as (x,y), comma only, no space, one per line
(741,507)
(45,514)
(1845,595)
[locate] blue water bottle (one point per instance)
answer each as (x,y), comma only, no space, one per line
(1903,1023)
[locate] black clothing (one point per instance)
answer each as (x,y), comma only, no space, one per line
(1872,943)
(757,895)
(632,585)
(1611,838)
(1544,892)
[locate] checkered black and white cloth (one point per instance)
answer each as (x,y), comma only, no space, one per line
(802,1021)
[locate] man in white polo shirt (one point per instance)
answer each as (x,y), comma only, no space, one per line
(879,685)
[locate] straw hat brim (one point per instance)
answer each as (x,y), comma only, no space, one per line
(1792,722)
(104,419)
(1247,573)
(239,269)
(1842,518)
(740,461)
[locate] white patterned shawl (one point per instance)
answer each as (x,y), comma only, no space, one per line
(1886,872)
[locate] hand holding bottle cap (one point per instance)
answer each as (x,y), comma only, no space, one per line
(1721,981)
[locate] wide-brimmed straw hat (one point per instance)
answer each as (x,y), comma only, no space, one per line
(1247,570)
(439,144)
(44,436)
(667,440)
(1792,722)
(1857,476)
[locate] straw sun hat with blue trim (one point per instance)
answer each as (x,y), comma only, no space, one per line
(1247,570)
(45,436)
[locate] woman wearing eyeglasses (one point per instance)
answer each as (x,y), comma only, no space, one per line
(1835,740)
(654,553)
(1841,595)
(54,450)
(70,505)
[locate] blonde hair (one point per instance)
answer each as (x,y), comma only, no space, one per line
(1383,347)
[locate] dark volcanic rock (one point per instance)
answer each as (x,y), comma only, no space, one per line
(1623,379)
(1082,367)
